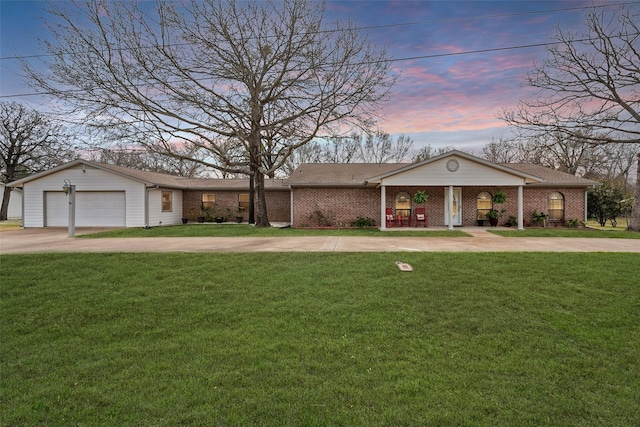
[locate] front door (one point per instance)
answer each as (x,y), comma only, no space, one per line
(457,206)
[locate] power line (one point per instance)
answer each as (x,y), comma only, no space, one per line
(411,58)
(373,27)
(408,58)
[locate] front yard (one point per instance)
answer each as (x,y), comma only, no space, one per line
(320,339)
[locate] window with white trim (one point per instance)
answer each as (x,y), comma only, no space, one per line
(556,206)
(167,201)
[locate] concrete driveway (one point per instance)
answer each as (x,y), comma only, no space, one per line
(56,240)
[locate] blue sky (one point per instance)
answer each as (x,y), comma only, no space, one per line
(448,100)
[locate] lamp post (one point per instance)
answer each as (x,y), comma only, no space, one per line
(70,191)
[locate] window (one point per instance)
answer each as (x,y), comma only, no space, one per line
(483,205)
(243,201)
(556,206)
(208,201)
(167,204)
(403,204)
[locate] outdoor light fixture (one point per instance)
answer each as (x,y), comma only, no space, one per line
(70,191)
(66,187)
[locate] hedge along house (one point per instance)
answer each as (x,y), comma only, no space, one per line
(460,188)
(115,196)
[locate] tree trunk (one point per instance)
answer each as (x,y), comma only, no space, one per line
(5,203)
(634,225)
(261,201)
(252,193)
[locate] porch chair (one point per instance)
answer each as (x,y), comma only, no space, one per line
(391,218)
(421,216)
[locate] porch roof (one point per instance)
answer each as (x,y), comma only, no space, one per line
(363,174)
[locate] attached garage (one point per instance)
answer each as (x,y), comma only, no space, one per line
(93,209)
(106,196)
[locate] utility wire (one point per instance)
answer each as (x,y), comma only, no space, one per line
(373,27)
(409,58)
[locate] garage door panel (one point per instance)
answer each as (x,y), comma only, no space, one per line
(93,209)
(57,209)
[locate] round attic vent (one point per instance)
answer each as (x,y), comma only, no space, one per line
(452,165)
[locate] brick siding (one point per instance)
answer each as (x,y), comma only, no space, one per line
(278,204)
(533,199)
(338,206)
(342,206)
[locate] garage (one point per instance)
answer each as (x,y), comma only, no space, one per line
(93,209)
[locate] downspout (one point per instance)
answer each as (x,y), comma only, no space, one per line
(586,203)
(291,206)
(146,204)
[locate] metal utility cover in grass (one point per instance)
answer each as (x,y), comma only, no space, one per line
(404,266)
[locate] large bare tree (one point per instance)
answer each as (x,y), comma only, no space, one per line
(269,75)
(589,85)
(30,142)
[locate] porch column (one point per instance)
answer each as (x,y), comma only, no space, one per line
(450,201)
(520,209)
(383,216)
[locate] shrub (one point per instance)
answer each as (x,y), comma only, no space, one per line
(364,222)
(573,223)
(512,221)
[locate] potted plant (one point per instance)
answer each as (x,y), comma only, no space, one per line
(492,216)
(239,217)
(202,217)
(420,197)
(495,214)
(539,217)
(499,198)
(217,214)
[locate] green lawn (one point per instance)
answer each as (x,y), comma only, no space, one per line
(568,232)
(320,339)
(244,230)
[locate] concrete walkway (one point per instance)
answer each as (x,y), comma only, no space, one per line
(56,240)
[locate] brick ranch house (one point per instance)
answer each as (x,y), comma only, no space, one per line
(459,186)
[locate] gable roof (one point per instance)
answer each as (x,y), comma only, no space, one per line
(552,177)
(338,174)
(463,155)
(362,174)
(158,179)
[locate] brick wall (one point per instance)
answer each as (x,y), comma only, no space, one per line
(278,203)
(534,199)
(537,198)
(338,206)
(341,206)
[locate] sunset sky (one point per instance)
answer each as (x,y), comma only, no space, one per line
(438,100)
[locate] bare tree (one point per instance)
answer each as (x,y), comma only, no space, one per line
(379,147)
(589,85)
(270,75)
(137,157)
(501,151)
(30,142)
(428,152)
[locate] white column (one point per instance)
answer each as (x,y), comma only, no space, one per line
(520,208)
(450,202)
(383,212)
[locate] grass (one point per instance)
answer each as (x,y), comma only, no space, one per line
(568,232)
(621,225)
(243,230)
(9,225)
(320,339)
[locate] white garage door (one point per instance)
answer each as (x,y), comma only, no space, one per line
(93,209)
